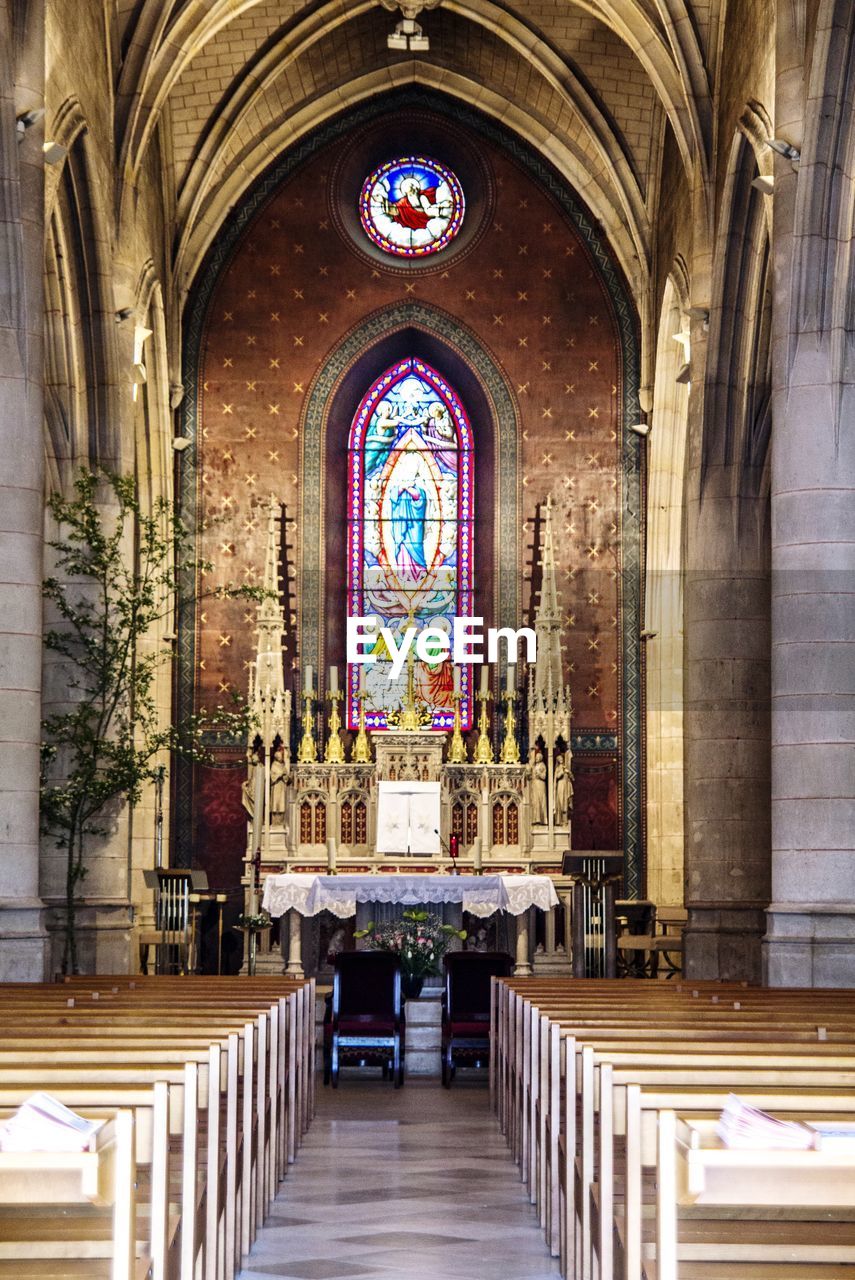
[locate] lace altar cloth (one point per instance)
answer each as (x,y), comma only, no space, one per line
(480,895)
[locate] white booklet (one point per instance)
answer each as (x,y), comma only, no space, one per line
(833,1135)
(747,1128)
(44,1124)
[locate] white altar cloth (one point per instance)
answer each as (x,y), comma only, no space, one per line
(480,895)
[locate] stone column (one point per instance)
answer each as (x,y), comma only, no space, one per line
(22,937)
(522,968)
(294,967)
(726,705)
(549,931)
(810,938)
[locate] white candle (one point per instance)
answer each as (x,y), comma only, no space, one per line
(307,678)
(511,680)
(333,679)
(456,676)
(476,852)
(331,853)
(485,679)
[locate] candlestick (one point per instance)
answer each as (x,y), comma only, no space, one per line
(484,747)
(477,855)
(510,747)
(457,747)
(485,678)
(334,753)
(308,678)
(331,855)
(361,753)
(333,679)
(511,679)
(308,753)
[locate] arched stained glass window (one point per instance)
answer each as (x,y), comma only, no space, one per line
(410,498)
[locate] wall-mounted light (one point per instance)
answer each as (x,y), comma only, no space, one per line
(764,183)
(27,119)
(54,152)
(684,374)
(640,428)
(139,376)
(647,634)
(176,395)
(124,313)
(785,149)
(180,443)
(408,35)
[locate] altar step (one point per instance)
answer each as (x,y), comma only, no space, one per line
(424,1032)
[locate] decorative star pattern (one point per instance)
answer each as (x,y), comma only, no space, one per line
(529,293)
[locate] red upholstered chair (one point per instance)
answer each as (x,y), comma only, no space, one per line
(366,1021)
(466,1006)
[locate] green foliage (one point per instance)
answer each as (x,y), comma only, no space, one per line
(117,569)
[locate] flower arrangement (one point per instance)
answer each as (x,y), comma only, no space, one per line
(254,924)
(419,938)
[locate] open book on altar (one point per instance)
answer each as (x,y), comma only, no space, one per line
(408,815)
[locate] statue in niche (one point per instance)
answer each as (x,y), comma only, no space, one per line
(247,791)
(563,789)
(539,814)
(278,781)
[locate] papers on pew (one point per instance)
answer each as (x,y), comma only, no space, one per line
(44,1124)
(745,1128)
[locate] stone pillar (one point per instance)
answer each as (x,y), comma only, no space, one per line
(294,967)
(726,705)
(22,937)
(810,938)
(549,931)
(567,899)
(522,968)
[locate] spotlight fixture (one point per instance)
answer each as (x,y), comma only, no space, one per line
(785,149)
(180,443)
(408,35)
(54,152)
(640,428)
(27,119)
(765,184)
(124,313)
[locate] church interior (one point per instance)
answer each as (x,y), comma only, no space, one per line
(427,564)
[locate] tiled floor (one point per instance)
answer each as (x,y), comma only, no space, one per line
(412,1185)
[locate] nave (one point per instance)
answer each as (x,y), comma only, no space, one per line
(414,1182)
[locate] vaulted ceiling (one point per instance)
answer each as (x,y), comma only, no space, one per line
(224,86)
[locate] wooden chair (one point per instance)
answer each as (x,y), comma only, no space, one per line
(366,1021)
(466,1006)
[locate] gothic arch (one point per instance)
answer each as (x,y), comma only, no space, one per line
(365,348)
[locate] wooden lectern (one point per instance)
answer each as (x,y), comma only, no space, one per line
(595,877)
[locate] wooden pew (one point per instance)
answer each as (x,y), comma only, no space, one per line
(530,1062)
(253,1094)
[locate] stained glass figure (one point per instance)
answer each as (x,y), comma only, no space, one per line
(411,206)
(410,536)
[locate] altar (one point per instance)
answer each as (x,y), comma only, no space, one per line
(306,894)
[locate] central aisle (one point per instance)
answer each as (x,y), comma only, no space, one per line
(415,1182)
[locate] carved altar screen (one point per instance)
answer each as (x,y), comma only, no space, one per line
(410,508)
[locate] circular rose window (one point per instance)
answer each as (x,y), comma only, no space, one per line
(411,207)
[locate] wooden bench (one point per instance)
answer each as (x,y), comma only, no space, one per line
(235,1057)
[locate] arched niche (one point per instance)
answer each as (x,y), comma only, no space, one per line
(444,344)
